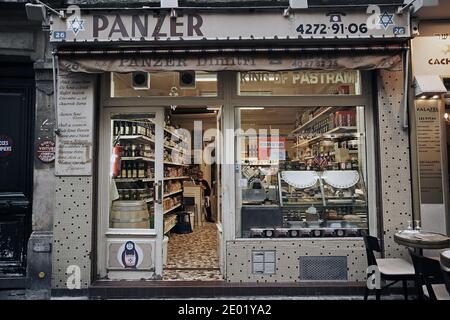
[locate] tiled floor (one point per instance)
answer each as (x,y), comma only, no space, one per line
(193,256)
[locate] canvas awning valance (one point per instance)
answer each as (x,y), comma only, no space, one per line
(232,59)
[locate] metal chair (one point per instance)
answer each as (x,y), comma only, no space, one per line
(391,269)
(446,273)
(429,278)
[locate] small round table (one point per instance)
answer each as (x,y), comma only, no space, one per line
(445,258)
(422,240)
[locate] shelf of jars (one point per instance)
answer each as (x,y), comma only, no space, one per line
(172,193)
(327,128)
(144,139)
(148,179)
(335,133)
(312,118)
(172,208)
(256,162)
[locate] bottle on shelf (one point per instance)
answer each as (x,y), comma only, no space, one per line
(134,128)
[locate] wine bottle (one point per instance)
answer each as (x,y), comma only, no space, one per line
(123,171)
(122,128)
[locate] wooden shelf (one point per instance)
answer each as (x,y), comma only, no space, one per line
(176,178)
(308,123)
(173,208)
(147,179)
(134,179)
(176,149)
(136,137)
(137,159)
(175,164)
(172,193)
(148,139)
(338,132)
(331,154)
(171,225)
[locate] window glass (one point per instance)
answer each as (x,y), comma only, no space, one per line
(292,83)
(164,84)
(132,171)
(302,172)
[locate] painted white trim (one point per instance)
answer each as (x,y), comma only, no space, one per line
(104,200)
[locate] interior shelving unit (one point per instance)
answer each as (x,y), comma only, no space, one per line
(309,139)
(127,185)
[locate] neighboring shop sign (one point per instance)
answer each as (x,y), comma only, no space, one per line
(45,151)
(429,151)
(431,50)
(148,26)
(6,146)
(75,122)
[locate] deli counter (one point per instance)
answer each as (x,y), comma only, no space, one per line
(291,203)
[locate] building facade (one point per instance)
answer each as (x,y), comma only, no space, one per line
(26,205)
(300,119)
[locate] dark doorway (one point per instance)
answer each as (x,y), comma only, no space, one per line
(16,165)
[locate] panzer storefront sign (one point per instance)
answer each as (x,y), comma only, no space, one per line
(148,26)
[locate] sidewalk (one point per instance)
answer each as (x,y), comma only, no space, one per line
(44,295)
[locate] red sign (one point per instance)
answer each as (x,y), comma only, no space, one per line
(46,151)
(6,146)
(272,148)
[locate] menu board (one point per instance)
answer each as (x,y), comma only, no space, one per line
(429,151)
(75,123)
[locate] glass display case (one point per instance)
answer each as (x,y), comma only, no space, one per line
(323,203)
(303,172)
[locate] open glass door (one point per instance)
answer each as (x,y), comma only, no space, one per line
(131,194)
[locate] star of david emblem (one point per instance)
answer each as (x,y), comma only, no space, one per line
(76,25)
(386,20)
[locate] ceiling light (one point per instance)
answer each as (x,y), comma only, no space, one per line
(423,97)
(205,77)
(435,96)
(213,108)
(252,108)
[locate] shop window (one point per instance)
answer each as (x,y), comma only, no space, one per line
(132,171)
(164,84)
(293,83)
(301,172)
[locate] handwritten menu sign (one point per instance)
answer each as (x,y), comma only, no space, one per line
(429,150)
(75,122)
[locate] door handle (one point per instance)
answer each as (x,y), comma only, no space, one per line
(159,192)
(10,204)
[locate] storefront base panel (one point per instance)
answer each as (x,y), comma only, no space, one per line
(296,260)
(72,233)
(180,289)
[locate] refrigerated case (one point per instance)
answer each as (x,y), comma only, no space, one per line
(320,204)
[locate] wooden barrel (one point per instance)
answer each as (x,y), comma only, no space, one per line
(130,215)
